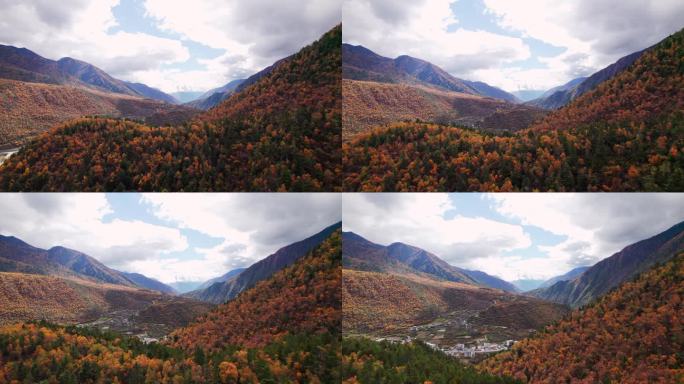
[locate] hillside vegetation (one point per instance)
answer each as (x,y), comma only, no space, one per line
(634,334)
(40,352)
(365,361)
(302,298)
(625,135)
(281,133)
(25,297)
(27,109)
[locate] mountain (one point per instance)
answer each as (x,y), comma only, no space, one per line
(85,265)
(215,96)
(149,283)
(624,135)
(151,93)
(38,93)
(360,63)
(525,285)
(18,256)
(284,131)
(573,274)
(301,297)
(73,300)
(287,329)
(222,292)
(486,280)
(362,254)
(560,96)
(616,269)
(223,278)
(24,65)
(631,335)
(485,89)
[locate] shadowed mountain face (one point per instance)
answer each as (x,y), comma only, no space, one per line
(223,278)
(18,256)
(361,254)
(560,96)
(24,65)
(224,291)
(616,269)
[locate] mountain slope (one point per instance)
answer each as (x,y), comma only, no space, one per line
(24,65)
(634,334)
(625,135)
(616,269)
(69,300)
(401,258)
(28,109)
(304,297)
(18,256)
(151,93)
(571,275)
(222,292)
(360,63)
(215,96)
(575,88)
(281,133)
(149,283)
(483,279)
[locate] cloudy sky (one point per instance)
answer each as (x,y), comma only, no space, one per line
(513,236)
(515,45)
(170,237)
(174,45)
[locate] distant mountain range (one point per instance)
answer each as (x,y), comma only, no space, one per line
(616,269)
(18,256)
(42,93)
(360,63)
(231,284)
(562,95)
(24,65)
(361,254)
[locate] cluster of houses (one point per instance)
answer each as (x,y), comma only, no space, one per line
(461,350)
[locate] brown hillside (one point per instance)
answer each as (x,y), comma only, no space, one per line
(302,298)
(27,109)
(633,335)
(379,303)
(371,104)
(26,297)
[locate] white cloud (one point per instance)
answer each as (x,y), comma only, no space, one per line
(78,29)
(418,219)
(259,32)
(254,34)
(587,227)
(251,225)
(596,225)
(76,221)
(593,34)
(421,29)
